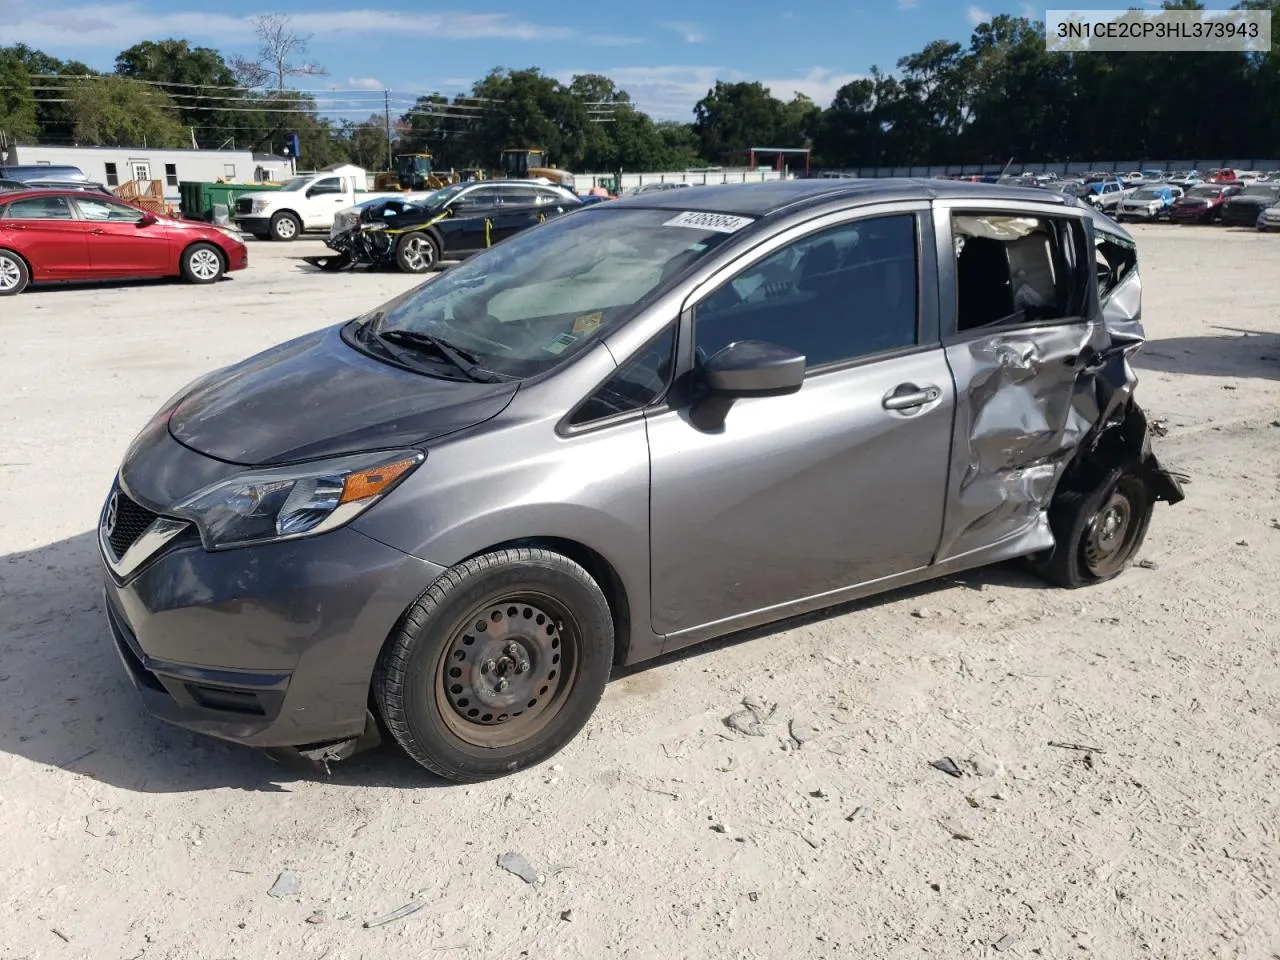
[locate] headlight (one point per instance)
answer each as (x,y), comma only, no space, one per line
(373,226)
(260,204)
(285,503)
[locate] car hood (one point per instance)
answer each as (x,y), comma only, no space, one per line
(317,396)
(1261,202)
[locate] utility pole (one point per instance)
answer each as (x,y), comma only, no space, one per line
(386,113)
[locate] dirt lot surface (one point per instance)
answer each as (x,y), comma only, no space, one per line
(659,832)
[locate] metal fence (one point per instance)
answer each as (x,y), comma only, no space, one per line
(583,182)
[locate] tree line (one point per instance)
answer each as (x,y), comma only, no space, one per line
(1001,95)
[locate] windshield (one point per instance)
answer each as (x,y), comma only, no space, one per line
(1205,192)
(297,183)
(1147,195)
(549,292)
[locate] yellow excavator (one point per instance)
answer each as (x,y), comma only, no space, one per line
(413,172)
(525,164)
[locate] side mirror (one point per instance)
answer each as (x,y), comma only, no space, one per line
(754,368)
(147,220)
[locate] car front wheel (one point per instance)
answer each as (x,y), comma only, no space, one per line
(202,263)
(285,227)
(498,665)
(1097,532)
(14,275)
(416,253)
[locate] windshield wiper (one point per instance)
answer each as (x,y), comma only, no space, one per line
(462,359)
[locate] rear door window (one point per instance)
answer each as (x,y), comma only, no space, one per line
(40,208)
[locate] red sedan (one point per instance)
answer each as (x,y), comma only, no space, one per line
(51,235)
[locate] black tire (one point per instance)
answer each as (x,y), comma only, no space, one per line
(203,263)
(14,275)
(417,253)
(441,682)
(1085,551)
(285,227)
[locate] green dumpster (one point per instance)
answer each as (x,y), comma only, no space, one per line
(200,197)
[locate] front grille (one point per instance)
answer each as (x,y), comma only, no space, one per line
(244,205)
(132,519)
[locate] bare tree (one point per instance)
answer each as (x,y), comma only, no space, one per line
(279,45)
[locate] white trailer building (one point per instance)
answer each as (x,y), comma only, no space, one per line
(116,165)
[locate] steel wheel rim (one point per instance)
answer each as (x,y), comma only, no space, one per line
(1109,535)
(205,264)
(10,273)
(417,253)
(507,670)
(285,227)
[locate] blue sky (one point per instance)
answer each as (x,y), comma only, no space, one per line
(664,52)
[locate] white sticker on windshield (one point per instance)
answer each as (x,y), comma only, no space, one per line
(719,222)
(558,345)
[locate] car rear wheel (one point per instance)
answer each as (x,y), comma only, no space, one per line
(1097,532)
(14,275)
(498,665)
(202,263)
(285,227)
(416,253)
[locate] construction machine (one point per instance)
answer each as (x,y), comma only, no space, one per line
(526,164)
(413,172)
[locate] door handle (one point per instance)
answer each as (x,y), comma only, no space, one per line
(96,232)
(907,395)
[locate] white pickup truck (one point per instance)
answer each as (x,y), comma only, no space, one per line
(304,203)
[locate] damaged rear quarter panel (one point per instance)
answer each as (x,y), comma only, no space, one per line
(1029,398)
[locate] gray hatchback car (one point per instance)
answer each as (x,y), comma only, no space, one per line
(639,426)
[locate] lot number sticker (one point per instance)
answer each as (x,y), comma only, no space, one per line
(719,222)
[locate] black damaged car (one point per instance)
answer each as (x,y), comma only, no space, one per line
(450,224)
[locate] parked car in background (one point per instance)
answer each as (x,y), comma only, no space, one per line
(1202,204)
(1185,183)
(86,186)
(348,217)
(1223,175)
(617,434)
(1148,203)
(450,224)
(1156,175)
(1105,194)
(304,203)
(40,171)
(1269,219)
(52,235)
(1243,209)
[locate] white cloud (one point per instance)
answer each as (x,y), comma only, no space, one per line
(365,83)
(689,32)
(669,92)
(119,25)
(977,15)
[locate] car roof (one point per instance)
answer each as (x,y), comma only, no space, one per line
(774,196)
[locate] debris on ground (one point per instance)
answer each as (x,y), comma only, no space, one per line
(1147,565)
(811,838)
(729,766)
(97,825)
(1159,428)
(720,828)
(957,832)
(316,918)
(1075,746)
(753,719)
(1004,943)
(60,935)
(522,868)
(859,813)
(566,916)
(803,730)
(947,766)
(819,794)
(1110,621)
(410,908)
(972,802)
(288,884)
(922,613)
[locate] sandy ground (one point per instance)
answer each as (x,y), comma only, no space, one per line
(660,833)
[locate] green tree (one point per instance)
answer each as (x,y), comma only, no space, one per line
(737,116)
(113,111)
(368,143)
(17,106)
(49,79)
(196,78)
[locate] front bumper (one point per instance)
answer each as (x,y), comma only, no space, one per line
(1141,213)
(253,224)
(269,646)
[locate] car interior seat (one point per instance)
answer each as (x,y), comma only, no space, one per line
(983,283)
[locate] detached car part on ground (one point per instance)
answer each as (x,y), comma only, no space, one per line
(450,224)
(620,433)
(49,235)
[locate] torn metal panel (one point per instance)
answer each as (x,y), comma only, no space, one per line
(1024,406)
